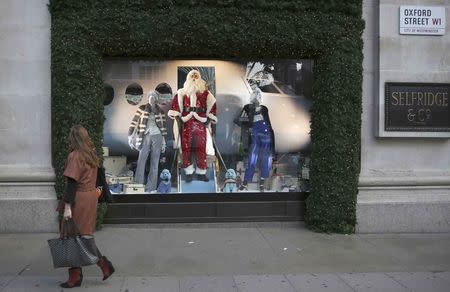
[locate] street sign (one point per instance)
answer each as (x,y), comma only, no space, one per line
(422,20)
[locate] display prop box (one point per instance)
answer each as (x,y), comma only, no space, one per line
(133,188)
(119,180)
(114,165)
(116,189)
(105,151)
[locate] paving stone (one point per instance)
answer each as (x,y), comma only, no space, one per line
(422,281)
(151,284)
(208,284)
(4,280)
(318,283)
(444,275)
(34,284)
(416,252)
(96,284)
(372,282)
(263,283)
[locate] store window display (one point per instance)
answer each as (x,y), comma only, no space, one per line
(232,126)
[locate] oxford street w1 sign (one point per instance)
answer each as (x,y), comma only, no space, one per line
(422,20)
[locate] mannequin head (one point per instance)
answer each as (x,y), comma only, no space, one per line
(153,98)
(255,96)
(194,83)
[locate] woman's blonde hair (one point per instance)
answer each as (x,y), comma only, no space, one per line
(80,141)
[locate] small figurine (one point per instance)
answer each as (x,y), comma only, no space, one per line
(230,185)
(165,186)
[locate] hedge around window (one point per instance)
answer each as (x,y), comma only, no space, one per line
(328,31)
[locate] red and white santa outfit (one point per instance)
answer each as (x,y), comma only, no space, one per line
(194,104)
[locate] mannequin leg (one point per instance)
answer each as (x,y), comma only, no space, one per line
(142,159)
(252,159)
(266,155)
(186,147)
(156,146)
(199,149)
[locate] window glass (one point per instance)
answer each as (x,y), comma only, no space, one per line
(207,126)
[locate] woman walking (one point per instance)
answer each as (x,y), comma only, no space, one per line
(80,199)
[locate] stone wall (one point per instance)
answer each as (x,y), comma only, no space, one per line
(27,196)
(404,182)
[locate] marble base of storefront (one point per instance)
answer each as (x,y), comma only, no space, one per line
(404,205)
(27,201)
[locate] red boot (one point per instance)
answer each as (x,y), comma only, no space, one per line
(75,278)
(106,267)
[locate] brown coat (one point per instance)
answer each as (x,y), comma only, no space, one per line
(84,208)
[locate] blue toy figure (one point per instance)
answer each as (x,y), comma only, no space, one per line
(165,185)
(230,185)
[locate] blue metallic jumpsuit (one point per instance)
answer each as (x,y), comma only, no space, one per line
(262,139)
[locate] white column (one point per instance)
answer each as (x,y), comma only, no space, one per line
(27,195)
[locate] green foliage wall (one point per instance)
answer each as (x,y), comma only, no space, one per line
(329,31)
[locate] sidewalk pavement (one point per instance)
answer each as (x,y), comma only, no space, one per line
(238,257)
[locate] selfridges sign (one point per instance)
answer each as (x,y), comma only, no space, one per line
(417,107)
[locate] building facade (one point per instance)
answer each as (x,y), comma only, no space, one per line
(404,183)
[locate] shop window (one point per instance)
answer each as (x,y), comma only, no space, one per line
(134,94)
(109,94)
(247,131)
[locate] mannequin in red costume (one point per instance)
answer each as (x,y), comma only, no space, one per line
(193,108)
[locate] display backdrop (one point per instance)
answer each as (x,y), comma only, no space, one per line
(84,32)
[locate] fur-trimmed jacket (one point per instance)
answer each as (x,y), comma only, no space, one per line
(201,103)
(139,123)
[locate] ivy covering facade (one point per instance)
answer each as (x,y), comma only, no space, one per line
(328,31)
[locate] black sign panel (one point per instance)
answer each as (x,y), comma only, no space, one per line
(417,107)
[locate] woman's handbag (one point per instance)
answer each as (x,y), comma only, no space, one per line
(71,249)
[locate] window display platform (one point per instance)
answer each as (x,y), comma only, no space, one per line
(240,207)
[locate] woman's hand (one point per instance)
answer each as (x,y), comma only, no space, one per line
(67,212)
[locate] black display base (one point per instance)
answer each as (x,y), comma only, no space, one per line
(195,208)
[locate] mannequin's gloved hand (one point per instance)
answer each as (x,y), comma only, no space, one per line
(199,118)
(187,117)
(130,142)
